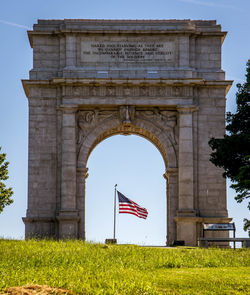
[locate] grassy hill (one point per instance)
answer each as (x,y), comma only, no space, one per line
(84,268)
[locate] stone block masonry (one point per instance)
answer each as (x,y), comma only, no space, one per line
(91,79)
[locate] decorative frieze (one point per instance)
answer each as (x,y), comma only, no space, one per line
(98,90)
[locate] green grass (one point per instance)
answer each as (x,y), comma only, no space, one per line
(99,269)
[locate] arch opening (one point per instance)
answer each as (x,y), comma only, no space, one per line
(137,167)
(157,136)
(122,131)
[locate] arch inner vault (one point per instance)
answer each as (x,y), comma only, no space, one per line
(92,79)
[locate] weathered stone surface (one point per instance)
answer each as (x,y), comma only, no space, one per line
(95,78)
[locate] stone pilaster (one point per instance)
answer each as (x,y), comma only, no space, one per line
(171,177)
(186,159)
(82,174)
(186,211)
(70,51)
(68,216)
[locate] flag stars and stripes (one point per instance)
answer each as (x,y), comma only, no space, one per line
(128,206)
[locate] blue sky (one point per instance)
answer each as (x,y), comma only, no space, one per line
(130,161)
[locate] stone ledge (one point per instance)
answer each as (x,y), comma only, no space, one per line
(68,218)
(173,26)
(186,213)
(182,82)
(38,219)
(197,219)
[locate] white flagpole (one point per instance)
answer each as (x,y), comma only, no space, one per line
(115,211)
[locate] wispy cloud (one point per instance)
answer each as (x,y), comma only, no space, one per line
(210,4)
(15,25)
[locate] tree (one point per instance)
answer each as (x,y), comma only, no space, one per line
(5,193)
(232,152)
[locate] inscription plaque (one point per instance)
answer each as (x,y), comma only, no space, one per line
(219,226)
(93,51)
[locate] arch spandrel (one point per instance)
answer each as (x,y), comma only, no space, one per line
(156,126)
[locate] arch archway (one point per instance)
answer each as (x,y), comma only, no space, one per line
(137,167)
(162,136)
(172,95)
(96,126)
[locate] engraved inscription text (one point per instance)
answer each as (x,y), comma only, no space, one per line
(132,51)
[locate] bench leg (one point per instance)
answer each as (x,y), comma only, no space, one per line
(246,244)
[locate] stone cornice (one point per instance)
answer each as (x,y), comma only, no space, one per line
(129,82)
(184,109)
(124,32)
(170,171)
(68,108)
(199,219)
(102,26)
(38,219)
(83,172)
(191,82)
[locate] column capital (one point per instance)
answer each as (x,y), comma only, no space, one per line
(82,171)
(68,108)
(187,109)
(170,171)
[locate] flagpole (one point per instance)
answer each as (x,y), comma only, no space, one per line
(115,211)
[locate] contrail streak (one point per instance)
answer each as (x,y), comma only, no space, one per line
(14,24)
(210,4)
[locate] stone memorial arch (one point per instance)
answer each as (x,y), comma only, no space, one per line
(91,79)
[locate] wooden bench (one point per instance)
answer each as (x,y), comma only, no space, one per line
(203,242)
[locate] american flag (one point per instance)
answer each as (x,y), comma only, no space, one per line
(130,207)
